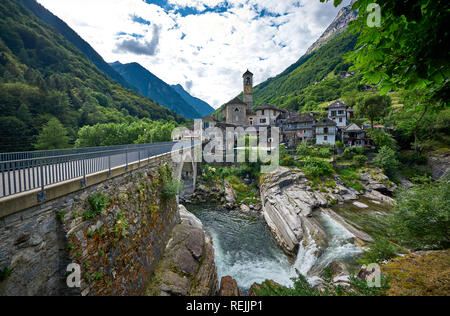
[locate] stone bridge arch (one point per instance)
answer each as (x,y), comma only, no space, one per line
(186,173)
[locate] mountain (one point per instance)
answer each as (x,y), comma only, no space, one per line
(151,86)
(201,106)
(323,59)
(42,75)
(339,25)
(70,35)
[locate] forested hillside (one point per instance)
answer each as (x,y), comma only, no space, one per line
(43,76)
(288,89)
(70,35)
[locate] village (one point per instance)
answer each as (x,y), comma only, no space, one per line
(295,128)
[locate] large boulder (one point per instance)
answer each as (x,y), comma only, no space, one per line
(229,287)
(230,195)
(288,203)
(375,179)
(187,267)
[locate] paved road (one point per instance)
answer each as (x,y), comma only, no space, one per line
(25,175)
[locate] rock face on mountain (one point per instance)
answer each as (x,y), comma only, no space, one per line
(187,267)
(340,24)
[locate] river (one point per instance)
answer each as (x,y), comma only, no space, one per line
(246,250)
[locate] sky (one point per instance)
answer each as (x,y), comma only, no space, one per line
(204,45)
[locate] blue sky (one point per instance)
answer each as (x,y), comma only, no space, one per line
(204,45)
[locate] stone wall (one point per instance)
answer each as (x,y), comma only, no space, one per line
(117,248)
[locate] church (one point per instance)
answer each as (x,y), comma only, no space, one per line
(241,113)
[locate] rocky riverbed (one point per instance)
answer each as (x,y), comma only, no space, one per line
(295,227)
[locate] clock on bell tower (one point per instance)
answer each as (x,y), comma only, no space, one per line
(248,89)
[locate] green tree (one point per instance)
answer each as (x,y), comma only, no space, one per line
(52,136)
(373,107)
(387,159)
(421,218)
(406,51)
(381,138)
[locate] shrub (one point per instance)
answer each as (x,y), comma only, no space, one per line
(315,167)
(302,287)
(381,139)
(359,160)
(379,251)
(304,150)
(98,205)
(325,152)
(387,159)
(422,216)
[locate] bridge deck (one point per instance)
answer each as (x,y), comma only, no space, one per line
(27,174)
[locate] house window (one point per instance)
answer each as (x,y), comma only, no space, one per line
(262,112)
(325,130)
(325,138)
(236,110)
(340,120)
(251,121)
(333,113)
(263,121)
(341,112)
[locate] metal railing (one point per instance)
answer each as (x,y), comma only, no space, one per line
(43,168)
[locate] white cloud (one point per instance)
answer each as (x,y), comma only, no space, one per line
(209,51)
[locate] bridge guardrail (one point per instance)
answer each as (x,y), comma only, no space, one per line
(51,167)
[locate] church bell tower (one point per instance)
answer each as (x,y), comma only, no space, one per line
(248,90)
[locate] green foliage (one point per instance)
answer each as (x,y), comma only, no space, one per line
(315,167)
(139,132)
(43,76)
(351,179)
(98,204)
(406,62)
(379,251)
(422,216)
(302,287)
(387,159)
(52,136)
(169,187)
(5,273)
(359,160)
(350,152)
(373,107)
(381,139)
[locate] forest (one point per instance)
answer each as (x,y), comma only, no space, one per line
(43,78)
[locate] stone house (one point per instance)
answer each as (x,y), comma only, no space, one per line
(298,129)
(353,135)
(338,113)
(326,131)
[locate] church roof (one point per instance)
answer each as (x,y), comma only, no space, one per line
(247,73)
(326,122)
(337,105)
(269,107)
(236,101)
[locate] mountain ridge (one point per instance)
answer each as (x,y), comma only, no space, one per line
(156,89)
